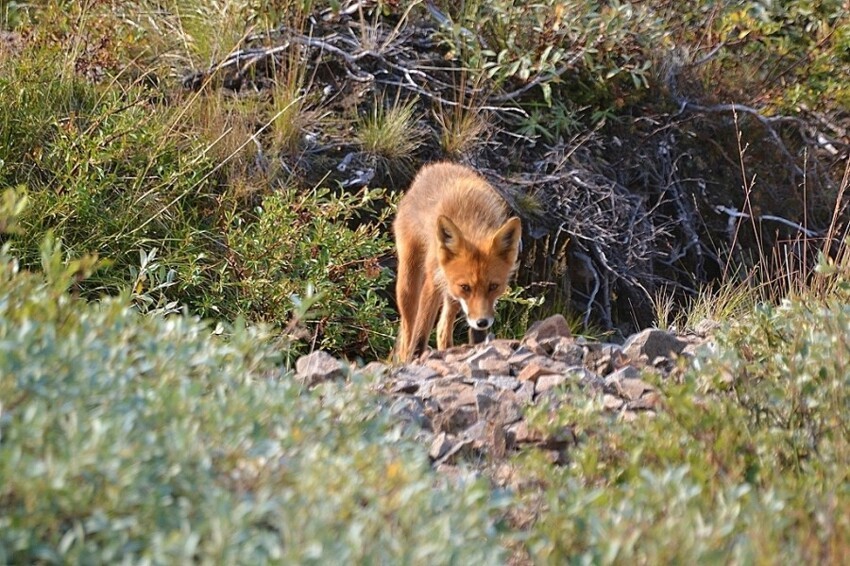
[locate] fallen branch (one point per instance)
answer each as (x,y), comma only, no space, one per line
(767,121)
(735,213)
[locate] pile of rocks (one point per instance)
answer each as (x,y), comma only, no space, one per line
(472,399)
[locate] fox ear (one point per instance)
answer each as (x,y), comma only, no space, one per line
(506,240)
(449,236)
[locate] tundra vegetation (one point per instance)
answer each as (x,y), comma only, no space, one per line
(195,193)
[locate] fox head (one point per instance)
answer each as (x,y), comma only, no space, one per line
(476,273)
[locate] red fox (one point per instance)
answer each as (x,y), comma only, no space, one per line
(457,248)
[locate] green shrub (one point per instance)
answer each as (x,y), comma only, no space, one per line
(107,170)
(130,438)
(746,462)
(605,47)
(319,238)
(775,39)
(110,171)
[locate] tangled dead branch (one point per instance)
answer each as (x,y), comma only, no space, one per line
(813,133)
(402,57)
(579,212)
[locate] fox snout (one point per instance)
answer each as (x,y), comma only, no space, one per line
(478,320)
(481,323)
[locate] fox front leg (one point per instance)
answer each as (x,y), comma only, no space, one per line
(426,316)
(445,326)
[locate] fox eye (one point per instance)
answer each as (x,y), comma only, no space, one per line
(493,286)
(465,288)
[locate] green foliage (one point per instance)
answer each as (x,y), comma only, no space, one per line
(514,311)
(461,129)
(391,133)
(152,438)
(130,438)
(777,38)
(320,238)
(528,40)
(105,169)
(728,301)
(110,171)
(747,460)
(12,14)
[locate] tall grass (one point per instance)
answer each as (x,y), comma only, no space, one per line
(122,167)
(390,133)
(807,266)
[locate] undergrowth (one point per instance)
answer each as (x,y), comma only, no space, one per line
(155,437)
(113,170)
(130,437)
(133,438)
(747,462)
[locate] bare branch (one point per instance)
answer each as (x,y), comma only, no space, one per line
(735,213)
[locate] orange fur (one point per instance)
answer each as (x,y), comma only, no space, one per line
(457,248)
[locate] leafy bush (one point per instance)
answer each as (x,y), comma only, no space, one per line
(519,41)
(306,237)
(110,171)
(129,438)
(747,461)
(106,170)
(774,39)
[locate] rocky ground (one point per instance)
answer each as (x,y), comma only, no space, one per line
(470,402)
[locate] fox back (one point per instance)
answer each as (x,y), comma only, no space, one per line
(457,249)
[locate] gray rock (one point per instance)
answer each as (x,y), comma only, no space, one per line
(425,388)
(525,393)
(567,351)
(449,447)
(632,389)
(651,343)
(495,366)
(486,388)
(452,394)
(554,326)
(486,404)
(489,352)
(458,354)
(440,446)
(650,400)
(473,374)
(519,433)
(520,357)
(477,433)
(510,409)
(410,410)
(571,375)
(505,346)
(376,369)
(611,402)
(582,375)
(455,419)
(540,365)
(504,382)
(415,372)
(497,405)
(547,382)
(440,366)
(317,367)
(404,386)
(625,372)
(603,357)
